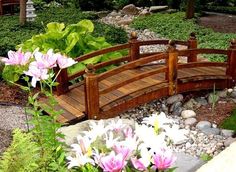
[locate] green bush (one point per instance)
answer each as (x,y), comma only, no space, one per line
(174,26)
(221,9)
(12,33)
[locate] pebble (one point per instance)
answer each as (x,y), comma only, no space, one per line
(227,133)
(228,141)
(188,114)
(175,98)
(190,121)
(203,124)
(215,131)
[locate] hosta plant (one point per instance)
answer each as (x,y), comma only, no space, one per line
(116,147)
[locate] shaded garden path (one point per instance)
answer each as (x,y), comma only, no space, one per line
(224,23)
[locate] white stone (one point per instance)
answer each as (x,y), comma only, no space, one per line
(154,9)
(190,121)
(227,133)
(188,114)
(230,90)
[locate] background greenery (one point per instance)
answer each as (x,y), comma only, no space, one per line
(13,34)
(174,26)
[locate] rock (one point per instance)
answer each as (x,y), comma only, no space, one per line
(192,104)
(175,105)
(227,133)
(175,98)
(125,22)
(229,141)
(130,9)
(223,93)
(215,131)
(144,12)
(230,90)
(201,100)
(188,114)
(155,9)
(190,121)
(113,14)
(102,13)
(203,124)
(72,131)
(186,162)
(233,94)
(213,98)
(177,111)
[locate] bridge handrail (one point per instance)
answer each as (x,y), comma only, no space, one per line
(161,41)
(132,65)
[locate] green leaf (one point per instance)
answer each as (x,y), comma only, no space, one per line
(71,41)
(55,27)
(87,24)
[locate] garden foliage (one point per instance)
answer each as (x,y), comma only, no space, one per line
(174,26)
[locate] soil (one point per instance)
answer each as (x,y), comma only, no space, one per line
(224,23)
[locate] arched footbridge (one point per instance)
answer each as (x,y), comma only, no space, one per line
(141,77)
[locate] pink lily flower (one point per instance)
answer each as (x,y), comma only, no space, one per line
(123,150)
(64,62)
(17,58)
(163,159)
(36,73)
(138,164)
(46,61)
(128,132)
(112,162)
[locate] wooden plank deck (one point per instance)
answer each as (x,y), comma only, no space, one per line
(73,102)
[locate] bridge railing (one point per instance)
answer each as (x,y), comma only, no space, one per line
(133,46)
(171,67)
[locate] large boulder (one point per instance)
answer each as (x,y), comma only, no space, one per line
(130,9)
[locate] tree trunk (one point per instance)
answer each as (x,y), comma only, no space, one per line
(22,12)
(190,9)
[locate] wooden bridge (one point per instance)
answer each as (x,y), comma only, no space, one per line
(140,78)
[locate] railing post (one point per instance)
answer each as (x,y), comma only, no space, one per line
(192,44)
(134,47)
(63,81)
(172,64)
(91,93)
(231,69)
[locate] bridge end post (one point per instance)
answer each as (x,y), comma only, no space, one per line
(134,46)
(91,93)
(172,64)
(231,69)
(192,44)
(62,79)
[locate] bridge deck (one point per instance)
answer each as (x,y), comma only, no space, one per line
(73,102)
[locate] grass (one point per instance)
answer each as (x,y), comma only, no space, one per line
(174,26)
(12,34)
(230,122)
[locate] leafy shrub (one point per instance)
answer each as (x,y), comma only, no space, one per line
(222,9)
(13,34)
(174,26)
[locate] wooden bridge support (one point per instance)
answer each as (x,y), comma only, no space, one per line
(231,69)
(172,61)
(63,81)
(91,93)
(192,44)
(134,46)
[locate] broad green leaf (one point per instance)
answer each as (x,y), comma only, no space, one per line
(55,27)
(76,68)
(87,24)
(93,60)
(71,41)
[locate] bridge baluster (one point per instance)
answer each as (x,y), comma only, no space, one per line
(192,44)
(171,63)
(231,69)
(63,81)
(91,93)
(134,46)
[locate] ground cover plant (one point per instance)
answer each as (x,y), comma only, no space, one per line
(174,26)
(13,34)
(230,122)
